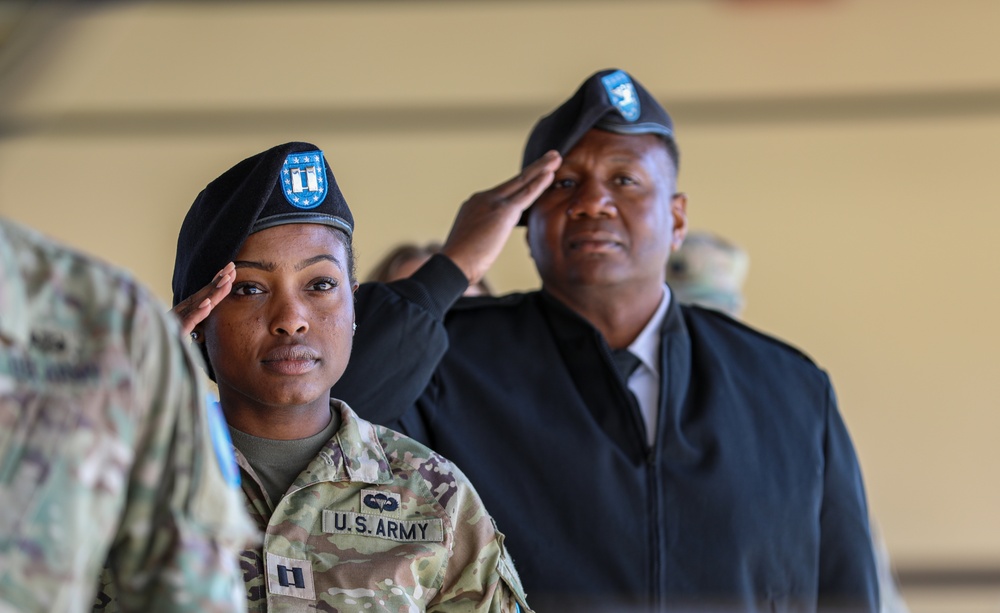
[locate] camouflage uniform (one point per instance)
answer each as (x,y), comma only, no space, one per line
(105,451)
(709,271)
(376,522)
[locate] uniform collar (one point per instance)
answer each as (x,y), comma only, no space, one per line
(13,296)
(354,453)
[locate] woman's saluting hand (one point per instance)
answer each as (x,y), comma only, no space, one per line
(193,310)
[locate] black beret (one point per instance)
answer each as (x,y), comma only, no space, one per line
(290,183)
(610,100)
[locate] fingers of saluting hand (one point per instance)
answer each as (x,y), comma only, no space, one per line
(196,307)
(484,222)
(532,181)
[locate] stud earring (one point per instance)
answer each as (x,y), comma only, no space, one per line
(354,327)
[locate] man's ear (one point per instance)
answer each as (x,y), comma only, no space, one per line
(678,208)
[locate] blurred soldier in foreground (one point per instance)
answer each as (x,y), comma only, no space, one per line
(106,448)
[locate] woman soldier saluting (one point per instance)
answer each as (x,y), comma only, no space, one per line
(355,517)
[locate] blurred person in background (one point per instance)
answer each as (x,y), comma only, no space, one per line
(405,259)
(709,271)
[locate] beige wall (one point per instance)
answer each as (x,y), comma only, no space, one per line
(850,146)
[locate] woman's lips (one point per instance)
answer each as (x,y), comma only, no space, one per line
(291,360)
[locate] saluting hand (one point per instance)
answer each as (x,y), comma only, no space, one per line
(193,310)
(485,220)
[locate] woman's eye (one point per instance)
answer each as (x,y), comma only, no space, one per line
(323,285)
(246,289)
(563,183)
(625,180)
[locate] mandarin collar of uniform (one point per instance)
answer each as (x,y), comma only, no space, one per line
(353,453)
(645,346)
(13,294)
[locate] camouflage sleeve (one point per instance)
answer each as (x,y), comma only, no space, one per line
(481,576)
(184,523)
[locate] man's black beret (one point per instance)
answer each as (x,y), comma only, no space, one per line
(608,100)
(290,183)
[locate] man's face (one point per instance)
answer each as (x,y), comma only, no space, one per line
(283,336)
(610,218)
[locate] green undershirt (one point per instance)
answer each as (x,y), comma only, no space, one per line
(277,463)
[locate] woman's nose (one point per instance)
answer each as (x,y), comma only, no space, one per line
(289,317)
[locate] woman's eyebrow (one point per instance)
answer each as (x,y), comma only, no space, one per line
(265,266)
(271,266)
(318,258)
